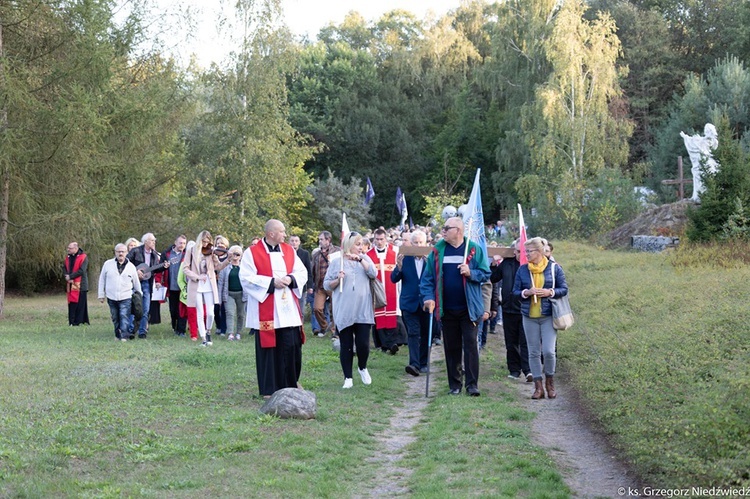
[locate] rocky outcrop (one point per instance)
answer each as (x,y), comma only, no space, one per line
(667,220)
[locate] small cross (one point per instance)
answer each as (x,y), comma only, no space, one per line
(680,181)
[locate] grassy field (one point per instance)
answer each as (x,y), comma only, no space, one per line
(661,356)
(85,416)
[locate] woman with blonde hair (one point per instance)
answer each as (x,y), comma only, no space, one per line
(201,265)
(533,285)
(352,305)
(186,312)
(132,243)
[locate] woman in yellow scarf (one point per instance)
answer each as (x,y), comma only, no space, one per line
(533,286)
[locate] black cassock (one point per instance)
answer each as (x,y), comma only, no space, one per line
(279,367)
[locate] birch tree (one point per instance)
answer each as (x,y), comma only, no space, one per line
(581,125)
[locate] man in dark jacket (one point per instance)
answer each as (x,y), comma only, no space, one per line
(147,258)
(175,254)
(515,340)
(303,255)
(409,272)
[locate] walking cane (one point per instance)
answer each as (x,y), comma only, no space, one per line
(429,351)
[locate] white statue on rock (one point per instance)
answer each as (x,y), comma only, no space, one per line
(700,149)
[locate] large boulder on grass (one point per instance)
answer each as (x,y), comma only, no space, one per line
(293,403)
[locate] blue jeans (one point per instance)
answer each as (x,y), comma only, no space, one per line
(313,321)
(146,288)
(482,333)
(120,313)
(417,329)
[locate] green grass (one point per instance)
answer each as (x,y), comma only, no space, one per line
(85,416)
(661,354)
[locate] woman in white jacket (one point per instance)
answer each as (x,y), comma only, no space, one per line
(200,266)
(117,282)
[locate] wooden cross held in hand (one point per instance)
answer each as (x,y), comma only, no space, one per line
(680,181)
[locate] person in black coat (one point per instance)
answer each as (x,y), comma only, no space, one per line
(517,352)
(303,255)
(146,254)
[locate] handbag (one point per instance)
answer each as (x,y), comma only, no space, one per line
(377,290)
(136,305)
(562,315)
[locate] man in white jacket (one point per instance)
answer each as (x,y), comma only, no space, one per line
(117,282)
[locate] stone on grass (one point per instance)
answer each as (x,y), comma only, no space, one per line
(291,403)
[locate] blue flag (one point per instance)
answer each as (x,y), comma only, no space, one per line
(474,218)
(369,192)
(400,201)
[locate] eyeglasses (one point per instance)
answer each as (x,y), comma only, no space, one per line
(236,254)
(447,228)
(528,252)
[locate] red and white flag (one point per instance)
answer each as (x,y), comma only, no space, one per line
(522,237)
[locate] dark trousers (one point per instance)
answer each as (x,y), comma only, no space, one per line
(78,313)
(517,352)
(220,317)
(359,334)
(178,323)
(417,329)
(387,337)
(281,366)
(460,338)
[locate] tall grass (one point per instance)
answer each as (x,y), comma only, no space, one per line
(85,416)
(661,355)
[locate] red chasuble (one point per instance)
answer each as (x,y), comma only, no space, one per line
(74,286)
(266,309)
(385,318)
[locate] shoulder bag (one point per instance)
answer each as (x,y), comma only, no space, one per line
(562,315)
(378,293)
(136,305)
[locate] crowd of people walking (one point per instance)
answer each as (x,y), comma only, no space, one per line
(444,284)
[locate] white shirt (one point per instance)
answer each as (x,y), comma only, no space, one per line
(286,312)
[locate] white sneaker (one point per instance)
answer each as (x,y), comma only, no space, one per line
(230,337)
(366,379)
(348,383)
(208,340)
(238,337)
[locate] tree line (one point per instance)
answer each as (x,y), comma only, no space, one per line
(564,105)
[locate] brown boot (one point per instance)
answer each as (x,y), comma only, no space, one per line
(538,390)
(550,382)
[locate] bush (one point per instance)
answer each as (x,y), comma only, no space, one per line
(585,209)
(727,192)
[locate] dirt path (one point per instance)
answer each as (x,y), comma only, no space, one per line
(399,434)
(583,456)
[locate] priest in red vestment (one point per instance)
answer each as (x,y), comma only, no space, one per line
(75,270)
(386,321)
(273,276)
